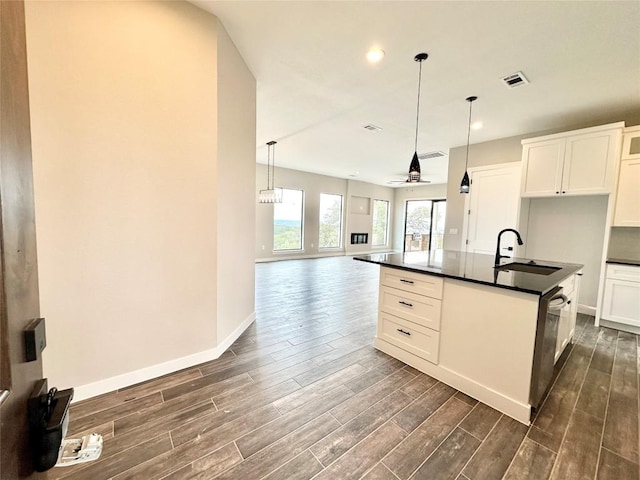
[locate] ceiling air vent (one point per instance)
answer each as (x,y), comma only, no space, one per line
(436,154)
(372,127)
(515,80)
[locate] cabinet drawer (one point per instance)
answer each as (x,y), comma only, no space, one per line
(420,284)
(419,309)
(415,339)
(623,272)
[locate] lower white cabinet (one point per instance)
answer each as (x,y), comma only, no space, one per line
(418,309)
(409,312)
(421,341)
(621,302)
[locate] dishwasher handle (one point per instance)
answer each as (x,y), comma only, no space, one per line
(564,300)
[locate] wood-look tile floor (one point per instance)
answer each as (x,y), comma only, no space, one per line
(302,394)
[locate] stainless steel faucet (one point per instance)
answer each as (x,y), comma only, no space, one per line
(498,256)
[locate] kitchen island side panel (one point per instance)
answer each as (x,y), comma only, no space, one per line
(488,335)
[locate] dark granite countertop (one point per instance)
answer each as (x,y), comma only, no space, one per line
(622,261)
(476,268)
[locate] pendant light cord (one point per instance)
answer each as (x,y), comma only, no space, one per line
(273,166)
(415,145)
(466,162)
(268,167)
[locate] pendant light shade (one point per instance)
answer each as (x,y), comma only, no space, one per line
(465,185)
(414,167)
(271,194)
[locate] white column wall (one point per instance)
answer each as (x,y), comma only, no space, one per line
(131,182)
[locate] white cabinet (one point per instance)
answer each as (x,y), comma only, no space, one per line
(409,312)
(621,301)
(542,168)
(581,162)
(631,143)
(568,314)
(627,213)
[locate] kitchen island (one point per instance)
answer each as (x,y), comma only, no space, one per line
(477,328)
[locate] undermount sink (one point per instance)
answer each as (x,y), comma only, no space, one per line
(528,268)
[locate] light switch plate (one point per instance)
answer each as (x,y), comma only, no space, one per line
(35,339)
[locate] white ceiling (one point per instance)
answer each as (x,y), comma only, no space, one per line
(316,91)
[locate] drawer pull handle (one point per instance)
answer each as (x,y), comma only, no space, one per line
(406,304)
(410,282)
(404,332)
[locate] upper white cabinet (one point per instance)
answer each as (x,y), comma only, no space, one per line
(627,213)
(631,143)
(581,162)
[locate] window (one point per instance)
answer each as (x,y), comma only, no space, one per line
(330,221)
(287,221)
(380,228)
(424,225)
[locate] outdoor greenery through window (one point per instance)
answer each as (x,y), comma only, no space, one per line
(330,221)
(424,225)
(380,222)
(287,221)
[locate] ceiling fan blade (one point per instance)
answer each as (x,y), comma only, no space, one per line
(406,181)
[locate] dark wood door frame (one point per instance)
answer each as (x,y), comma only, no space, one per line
(19,299)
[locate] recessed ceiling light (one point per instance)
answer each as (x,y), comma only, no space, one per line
(374,55)
(372,127)
(476,125)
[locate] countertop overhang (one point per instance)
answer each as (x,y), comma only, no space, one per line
(624,261)
(475,268)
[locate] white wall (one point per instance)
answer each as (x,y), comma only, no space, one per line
(128,186)
(425,192)
(358,222)
(487,153)
(313,185)
(236,207)
(569,229)
(624,243)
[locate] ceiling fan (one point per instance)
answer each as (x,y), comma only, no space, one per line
(406,180)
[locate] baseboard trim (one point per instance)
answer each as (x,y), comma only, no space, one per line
(587,309)
(300,257)
(227,342)
(337,253)
(620,326)
(509,406)
(107,385)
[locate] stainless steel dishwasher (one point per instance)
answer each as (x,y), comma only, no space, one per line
(545,346)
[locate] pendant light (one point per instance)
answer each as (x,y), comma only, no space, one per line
(465,184)
(271,194)
(414,167)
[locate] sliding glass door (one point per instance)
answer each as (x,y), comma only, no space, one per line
(424,225)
